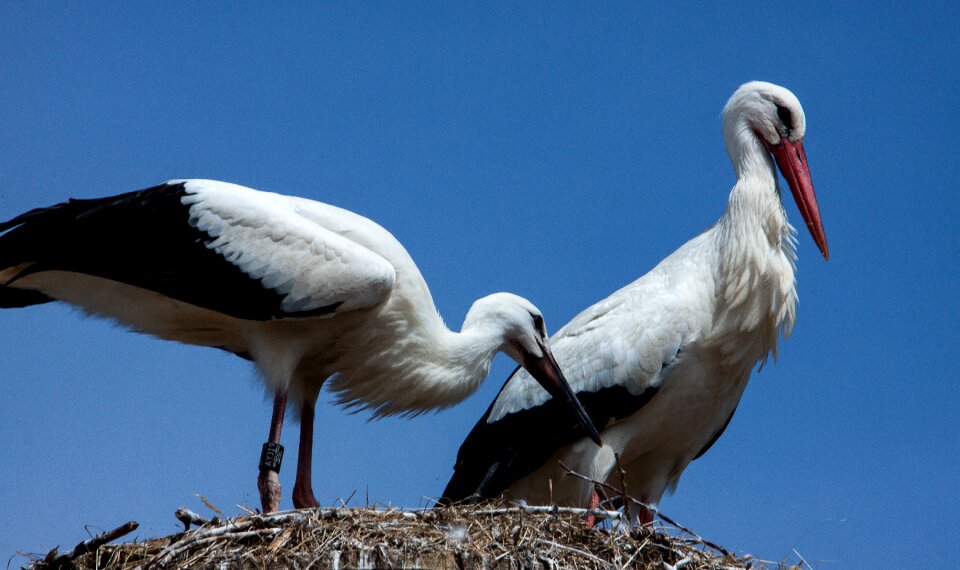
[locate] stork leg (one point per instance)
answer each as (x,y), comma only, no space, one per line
(303,497)
(268,482)
(645,515)
(591,520)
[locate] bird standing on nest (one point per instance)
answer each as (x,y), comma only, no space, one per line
(305,290)
(661,364)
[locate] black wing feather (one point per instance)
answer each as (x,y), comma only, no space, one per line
(141,238)
(494,455)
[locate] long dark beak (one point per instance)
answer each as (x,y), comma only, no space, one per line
(546,371)
(792,160)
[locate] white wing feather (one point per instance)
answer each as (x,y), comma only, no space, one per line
(625,339)
(284,243)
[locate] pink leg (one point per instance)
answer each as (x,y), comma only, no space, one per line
(645,516)
(303,497)
(591,520)
(269,481)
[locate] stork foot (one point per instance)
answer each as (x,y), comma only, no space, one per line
(269,485)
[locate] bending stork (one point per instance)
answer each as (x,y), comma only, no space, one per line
(307,291)
(661,364)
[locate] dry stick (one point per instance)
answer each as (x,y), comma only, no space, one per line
(184,546)
(802,561)
(200,535)
(586,555)
(550,509)
(88,545)
(344,503)
(667,519)
(188,517)
(209,504)
(623,485)
(246,510)
(286,516)
(609,487)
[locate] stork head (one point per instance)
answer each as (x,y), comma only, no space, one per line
(523,337)
(773,115)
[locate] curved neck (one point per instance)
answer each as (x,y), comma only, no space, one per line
(754,222)
(756,286)
(460,361)
(422,366)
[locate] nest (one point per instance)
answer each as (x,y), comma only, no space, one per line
(491,536)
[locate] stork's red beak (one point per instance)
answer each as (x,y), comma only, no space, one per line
(792,160)
(546,371)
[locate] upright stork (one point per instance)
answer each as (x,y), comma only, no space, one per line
(661,364)
(307,291)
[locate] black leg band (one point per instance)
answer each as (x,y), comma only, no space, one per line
(271,456)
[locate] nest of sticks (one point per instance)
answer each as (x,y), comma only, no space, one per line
(492,535)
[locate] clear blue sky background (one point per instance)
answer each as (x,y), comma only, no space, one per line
(556,151)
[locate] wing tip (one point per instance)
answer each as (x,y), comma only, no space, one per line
(13,298)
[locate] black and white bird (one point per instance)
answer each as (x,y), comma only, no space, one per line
(661,364)
(307,291)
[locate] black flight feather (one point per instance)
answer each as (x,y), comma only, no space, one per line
(495,455)
(143,239)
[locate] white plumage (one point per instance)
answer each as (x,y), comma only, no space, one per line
(305,290)
(661,364)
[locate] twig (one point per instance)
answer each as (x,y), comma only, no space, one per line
(246,510)
(551,509)
(54,560)
(188,517)
(344,503)
(623,485)
(586,555)
(609,487)
(802,560)
(168,555)
(285,516)
(696,536)
(652,509)
(210,505)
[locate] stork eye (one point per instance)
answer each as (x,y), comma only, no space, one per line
(785,116)
(539,325)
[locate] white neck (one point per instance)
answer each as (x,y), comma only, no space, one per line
(456,363)
(425,367)
(756,288)
(754,221)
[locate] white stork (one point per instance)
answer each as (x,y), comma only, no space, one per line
(307,291)
(661,364)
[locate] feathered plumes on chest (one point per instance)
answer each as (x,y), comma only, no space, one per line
(756,294)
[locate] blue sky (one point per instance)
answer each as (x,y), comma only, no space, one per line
(555,151)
